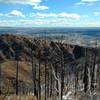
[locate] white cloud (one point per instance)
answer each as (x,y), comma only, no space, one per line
(43,15)
(97,13)
(29,2)
(38,7)
(34,3)
(1,14)
(89,0)
(59,15)
(23,23)
(92,24)
(80,3)
(86,2)
(51,22)
(36,22)
(16,13)
(69,15)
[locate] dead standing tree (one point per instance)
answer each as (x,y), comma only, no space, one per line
(59,83)
(51,82)
(93,81)
(46,59)
(39,75)
(17,68)
(0,80)
(58,76)
(33,48)
(18,52)
(62,71)
(85,78)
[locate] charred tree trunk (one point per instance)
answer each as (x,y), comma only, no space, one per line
(76,81)
(51,81)
(17,68)
(48,82)
(35,86)
(39,78)
(45,79)
(85,80)
(34,75)
(17,57)
(93,70)
(56,72)
(0,80)
(62,75)
(33,61)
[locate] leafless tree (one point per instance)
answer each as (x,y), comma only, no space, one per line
(19,50)
(33,61)
(51,81)
(85,79)
(94,66)
(58,79)
(39,75)
(62,73)
(17,68)
(0,80)
(45,79)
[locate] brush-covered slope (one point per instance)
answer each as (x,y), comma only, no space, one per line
(19,48)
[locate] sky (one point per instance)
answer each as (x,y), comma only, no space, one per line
(49,13)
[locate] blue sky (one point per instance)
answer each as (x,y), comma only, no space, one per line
(50,13)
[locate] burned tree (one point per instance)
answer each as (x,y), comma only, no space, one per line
(0,80)
(51,82)
(93,80)
(39,75)
(62,71)
(46,51)
(18,52)
(85,78)
(17,68)
(33,47)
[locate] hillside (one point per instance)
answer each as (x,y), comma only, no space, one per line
(25,49)
(10,45)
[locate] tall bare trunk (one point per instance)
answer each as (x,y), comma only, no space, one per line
(56,72)
(93,72)
(85,80)
(17,68)
(62,75)
(39,78)
(48,80)
(33,61)
(51,81)
(0,80)
(45,79)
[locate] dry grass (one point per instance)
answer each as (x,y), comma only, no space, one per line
(9,70)
(25,74)
(25,71)
(23,97)
(20,97)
